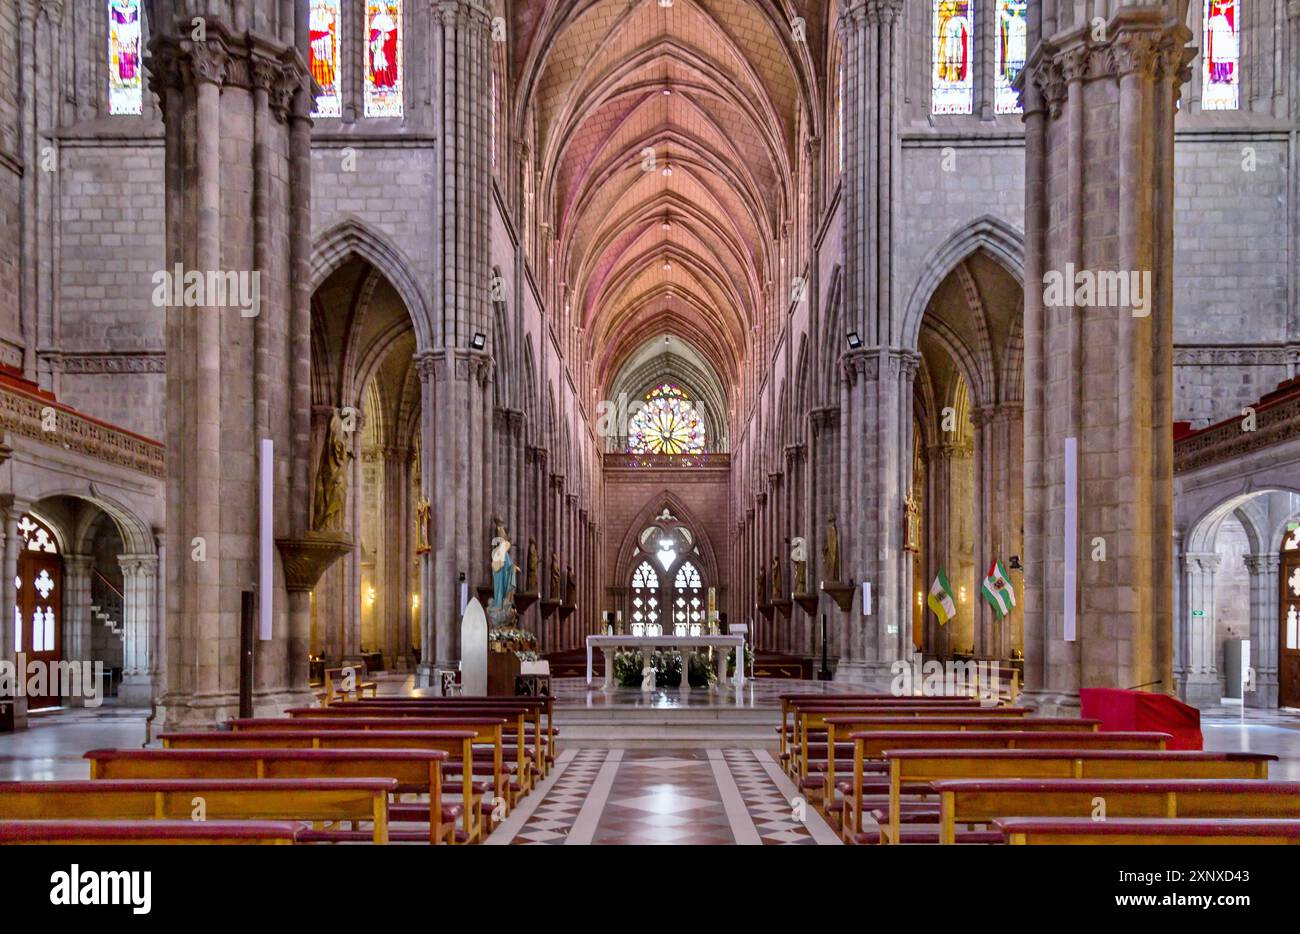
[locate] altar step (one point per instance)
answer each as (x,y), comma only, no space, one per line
(636,727)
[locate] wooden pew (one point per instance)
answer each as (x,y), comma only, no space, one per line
(980,801)
(1147,831)
(513,719)
(813,720)
(146,832)
(871,747)
(542,721)
(457,744)
(333,676)
(790,702)
(922,766)
(416,771)
(853,723)
(260,799)
(810,720)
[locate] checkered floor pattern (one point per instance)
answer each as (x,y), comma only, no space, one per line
(554,817)
(773,814)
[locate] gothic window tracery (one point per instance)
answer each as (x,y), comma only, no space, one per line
(666,423)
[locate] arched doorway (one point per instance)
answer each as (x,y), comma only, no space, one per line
(667,587)
(38,614)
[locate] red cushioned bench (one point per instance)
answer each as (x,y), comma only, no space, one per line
(1147,831)
(979,801)
(416,771)
(148,832)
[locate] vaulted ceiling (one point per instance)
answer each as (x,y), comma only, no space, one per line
(667,133)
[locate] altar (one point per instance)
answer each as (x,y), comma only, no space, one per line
(683,644)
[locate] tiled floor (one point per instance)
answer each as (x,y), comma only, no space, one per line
(681,797)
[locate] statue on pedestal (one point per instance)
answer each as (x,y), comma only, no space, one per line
(799,558)
(503,568)
(556,594)
(332,478)
(776,578)
(570,588)
(422,526)
(530,582)
(831,553)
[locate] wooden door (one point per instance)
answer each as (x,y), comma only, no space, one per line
(39,613)
(1288,667)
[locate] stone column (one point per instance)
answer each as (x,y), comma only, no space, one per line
(395,557)
(1265,618)
(1200,685)
(77,621)
(139,604)
(13,510)
(1101,375)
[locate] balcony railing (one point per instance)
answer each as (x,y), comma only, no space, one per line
(667,461)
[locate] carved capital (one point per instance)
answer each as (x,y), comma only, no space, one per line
(209,61)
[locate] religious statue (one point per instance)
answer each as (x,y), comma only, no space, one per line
(555,578)
(647,676)
(530,581)
(503,568)
(799,558)
(831,553)
(911,524)
(422,526)
(332,478)
(570,588)
(760,587)
(776,578)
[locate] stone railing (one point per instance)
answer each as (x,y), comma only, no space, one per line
(667,461)
(1276,422)
(28,415)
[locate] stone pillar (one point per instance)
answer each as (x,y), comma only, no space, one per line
(1101,375)
(998,491)
(77,621)
(395,558)
(226,102)
(1199,684)
(139,604)
(13,510)
(1265,618)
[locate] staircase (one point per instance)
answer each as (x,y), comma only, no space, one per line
(107,606)
(632,722)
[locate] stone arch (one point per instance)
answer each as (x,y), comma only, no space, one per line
(1001,241)
(654,505)
(352,237)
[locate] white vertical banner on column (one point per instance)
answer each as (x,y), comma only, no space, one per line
(1071,549)
(265,543)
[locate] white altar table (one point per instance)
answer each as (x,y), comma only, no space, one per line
(683,644)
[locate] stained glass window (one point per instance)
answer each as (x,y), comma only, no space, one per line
(666,423)
(383,58)
(325,21)
(688,607)
(645,594)
(1222,43)
(1011,46)
(952,90)
(125,89)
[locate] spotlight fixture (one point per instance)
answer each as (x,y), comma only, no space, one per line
(667,224)
(668,92)
(668,170)
(478,341)
(855,342)
(667,265)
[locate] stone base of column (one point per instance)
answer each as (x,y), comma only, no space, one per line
(188,712)
(136,690)
(876,676)
(1051,703)
(20,711)
(1265,693)
(425,676)
(1202,690)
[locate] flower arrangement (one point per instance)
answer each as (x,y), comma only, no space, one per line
(667,666)
(510,639)
(731,660)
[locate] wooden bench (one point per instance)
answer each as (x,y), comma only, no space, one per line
(514,723)
(457,744)
(1148,831)
(147,832)
(333,676)
(856,726)
(540,720)
(980,801)
(810,720)
(319,800)
(416,771)
(923,766)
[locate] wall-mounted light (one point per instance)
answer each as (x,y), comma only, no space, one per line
(855,342)
(415,601)
(370,596)
(962,591)
(478,341)
(667,265)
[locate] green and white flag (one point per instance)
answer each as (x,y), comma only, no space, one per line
(998,590)
(941,601)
